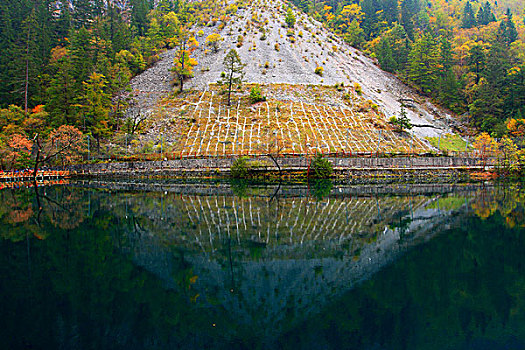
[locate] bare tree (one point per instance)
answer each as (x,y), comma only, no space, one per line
(66,142)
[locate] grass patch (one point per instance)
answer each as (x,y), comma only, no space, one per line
(448,203)
(449,142)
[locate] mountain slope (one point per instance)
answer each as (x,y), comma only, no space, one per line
(295,63)
(275,54)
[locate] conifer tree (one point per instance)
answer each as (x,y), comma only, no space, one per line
(409,9)
(514,92)
(139,12)
(384,55)
(507,32)
(485,15)
(234,72)
(468,20)
(290,18)
(476,60)
(95,103)
(423,66)
(61,91)
(23,67)
(390,10)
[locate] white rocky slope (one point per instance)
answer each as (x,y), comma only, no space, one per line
(294,63)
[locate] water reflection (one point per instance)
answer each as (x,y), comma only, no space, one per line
(105,265)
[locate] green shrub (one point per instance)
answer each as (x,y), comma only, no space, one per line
(240,168)
(256,94)
(402,122)
(290,18)
(321,168)
(321,188)
(319,71)
(358,89)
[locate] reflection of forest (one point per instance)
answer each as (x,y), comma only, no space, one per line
(254,265)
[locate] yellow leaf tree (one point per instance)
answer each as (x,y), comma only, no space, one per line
(213,41)
(486,146)
(184,63)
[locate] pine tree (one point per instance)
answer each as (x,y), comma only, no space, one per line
(449,93)
(64,23)
(384,55)
(390,10)
(480,16)
(82,56)
(409,9)
(233,72)
(476,60)
(139,12)
(24,63)
(485,15)
(290,18)
(423,63)
(487,106)
(61,90)
(83,13)
(468,20)
(96,104)
(507,32)
(448,88)
(514,92)
(371,23)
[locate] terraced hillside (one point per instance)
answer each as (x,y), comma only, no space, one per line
(304,113)
(294,120)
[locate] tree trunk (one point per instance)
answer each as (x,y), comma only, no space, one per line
(181,75)
(230,84)
(37,159)
(229,92)
(27,72)
(277,164)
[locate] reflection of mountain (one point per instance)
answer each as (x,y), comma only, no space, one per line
(110,269)
(270,262)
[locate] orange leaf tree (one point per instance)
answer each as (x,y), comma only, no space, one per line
(16,151)
(65,145)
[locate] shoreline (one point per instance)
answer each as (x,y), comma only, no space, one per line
(295,168)
(345,169)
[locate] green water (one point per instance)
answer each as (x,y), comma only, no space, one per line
(195,266)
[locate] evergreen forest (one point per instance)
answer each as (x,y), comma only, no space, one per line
(468,56)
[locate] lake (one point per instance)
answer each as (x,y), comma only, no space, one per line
(220,265)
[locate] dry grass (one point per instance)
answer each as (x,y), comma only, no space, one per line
(295,120)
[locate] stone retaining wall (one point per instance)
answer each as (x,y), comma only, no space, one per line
(223,165)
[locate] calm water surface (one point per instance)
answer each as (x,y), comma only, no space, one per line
(234,266)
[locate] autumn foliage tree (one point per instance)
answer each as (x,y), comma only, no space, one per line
(213,41)
(184,63)
(64,145)
(16,153)
(486,146)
